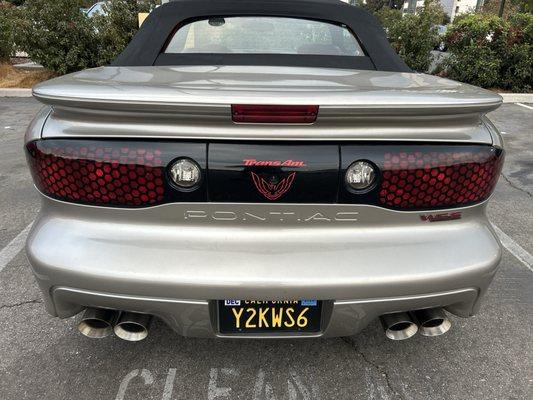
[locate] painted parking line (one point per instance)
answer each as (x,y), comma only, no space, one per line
(515,249)
(524,105)
(14,247)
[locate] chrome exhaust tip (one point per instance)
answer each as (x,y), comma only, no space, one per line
(398,326)
(97,323)
(133,327)
(432,322)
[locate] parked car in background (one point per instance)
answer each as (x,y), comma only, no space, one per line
(97,8)
(441,30)
(262,169)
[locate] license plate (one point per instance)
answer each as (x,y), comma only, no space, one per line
(245,316)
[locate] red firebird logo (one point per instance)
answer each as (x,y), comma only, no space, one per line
(273,191)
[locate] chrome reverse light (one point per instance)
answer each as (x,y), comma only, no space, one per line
(361,175)
(185,173)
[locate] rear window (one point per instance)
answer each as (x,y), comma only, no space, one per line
(264,35)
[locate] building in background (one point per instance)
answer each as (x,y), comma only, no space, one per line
(450,7)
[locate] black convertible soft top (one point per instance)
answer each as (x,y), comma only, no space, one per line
(148,45)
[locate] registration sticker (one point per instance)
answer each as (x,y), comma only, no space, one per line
(309,303)
(232,303)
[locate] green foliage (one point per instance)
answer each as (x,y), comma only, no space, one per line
(488,51)
(511,7)
(517,73)
(118,26)
(374,5)
(7,41)
(476,30)
(16,2)
(377,5)
(523,22)
(413,36)
(63,39)
(388,16)
(57,35)
(477,66)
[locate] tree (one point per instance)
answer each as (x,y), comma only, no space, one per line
(7,43)
(118,26)
(510,8)
(57,35)
(413,36)
(488,51)
(375,5)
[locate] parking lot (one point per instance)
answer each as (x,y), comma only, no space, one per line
(489,356)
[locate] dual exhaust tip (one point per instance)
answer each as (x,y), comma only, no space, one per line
(97,323)
(404,325)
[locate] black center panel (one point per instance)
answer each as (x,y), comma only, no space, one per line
(284,173)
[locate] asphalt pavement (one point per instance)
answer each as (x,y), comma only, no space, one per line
(489,356)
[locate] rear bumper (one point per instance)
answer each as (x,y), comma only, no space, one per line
(198,318)
(172,268)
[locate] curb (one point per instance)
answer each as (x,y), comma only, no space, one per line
(517,97)
(15,93)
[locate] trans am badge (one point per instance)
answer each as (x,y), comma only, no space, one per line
(273,188)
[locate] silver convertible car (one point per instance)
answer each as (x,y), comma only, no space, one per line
(262,169)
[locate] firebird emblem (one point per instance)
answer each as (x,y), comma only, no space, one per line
(271,190)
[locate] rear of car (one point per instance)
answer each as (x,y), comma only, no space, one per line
(267,170)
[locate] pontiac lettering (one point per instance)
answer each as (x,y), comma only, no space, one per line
(270,216)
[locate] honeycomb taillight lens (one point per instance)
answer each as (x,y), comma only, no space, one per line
(438,178)
(134,173)
(108,173)
(423,176)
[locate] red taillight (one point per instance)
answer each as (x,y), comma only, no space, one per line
(98,174)
(274,114)
(133,173)
(421,179)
